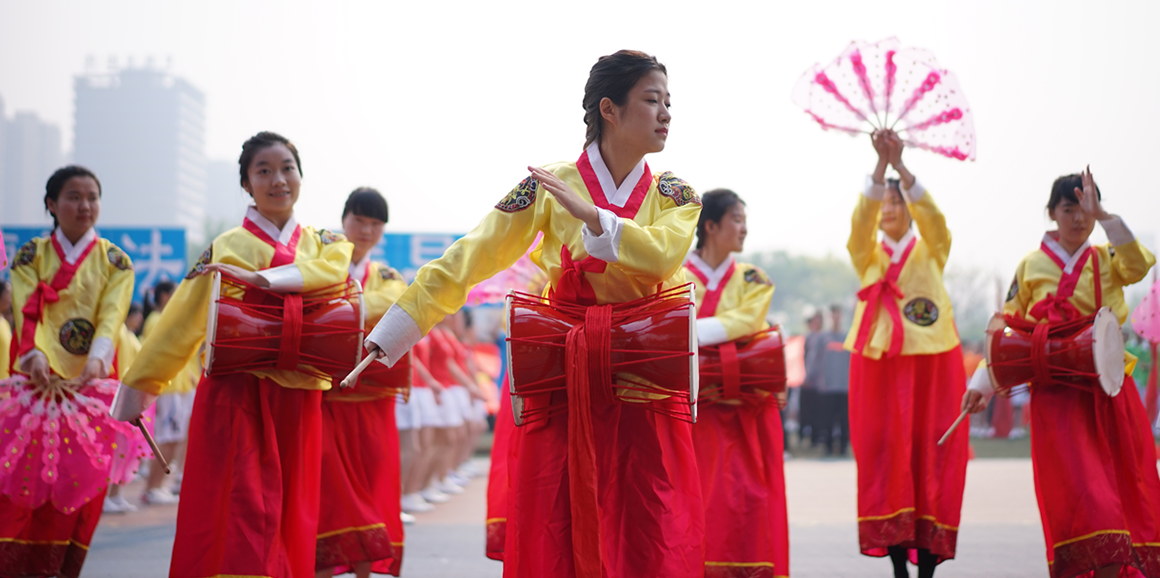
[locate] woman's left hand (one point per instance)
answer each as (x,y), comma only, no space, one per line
(569,199)
(238,273)
(1089,199)
(93,369)
(782,399)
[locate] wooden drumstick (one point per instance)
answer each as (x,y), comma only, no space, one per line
(951,430)
(372,355)
(152,444)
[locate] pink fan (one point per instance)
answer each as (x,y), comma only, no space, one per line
(1146,322)
(875,86)
(522,277)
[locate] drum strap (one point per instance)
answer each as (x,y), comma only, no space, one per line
(885,293)
(291,332)
(44,294)
(730,371)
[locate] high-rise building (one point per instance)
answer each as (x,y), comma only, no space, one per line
(30,150)
(142,131)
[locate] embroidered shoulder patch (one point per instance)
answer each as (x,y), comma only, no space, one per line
(679,191)
(1014,290)
(389,274)
(76,336)
(199,267)
(755,275)
(921,311)
(327,237)
(521,197)
(119,259)
(25,254)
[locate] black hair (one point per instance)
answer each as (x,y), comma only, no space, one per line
(714,205)
(56,183)
(1064,189)
(165,287)
(366,202)
(134,308)
(258,142)
(5,287)
(612,77)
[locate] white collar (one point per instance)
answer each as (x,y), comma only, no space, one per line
(281,236)
(1069,259)
(899,247)
(358,270)
(715,275)
(74,252)
(617,197)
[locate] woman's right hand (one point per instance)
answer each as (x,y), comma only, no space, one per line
(37,369)
(569,199)
(881,141)
(973,402)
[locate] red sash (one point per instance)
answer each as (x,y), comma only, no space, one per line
(884,293)
(1057,307)
(629,210)
(708,307)
(46,293)
(283,254)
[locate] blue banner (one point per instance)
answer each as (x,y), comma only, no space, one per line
(157,254)
(409,251)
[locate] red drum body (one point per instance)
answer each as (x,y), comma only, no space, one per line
(318,333)
(749,369)
(651,357)
(376,382)
(1086,353)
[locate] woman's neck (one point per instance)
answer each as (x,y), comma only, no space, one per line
(357,255)
(618,159)
(73,236)
(1070,247)
(713,255)
(278,220)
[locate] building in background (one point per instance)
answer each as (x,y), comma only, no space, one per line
(30,150)
(226,202)
(142,131)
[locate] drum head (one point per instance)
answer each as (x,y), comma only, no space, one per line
(518,409)
(507,307)
(362,322)
(997,325)
(694,363)
(1108,351)
(211,321)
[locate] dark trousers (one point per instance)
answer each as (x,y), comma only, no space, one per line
(834,415)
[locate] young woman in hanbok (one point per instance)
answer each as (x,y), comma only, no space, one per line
(419,422)
(739,442)
(71,294)
(250,497)
(1094,455)
(613,232)
(906,373)
(359,527)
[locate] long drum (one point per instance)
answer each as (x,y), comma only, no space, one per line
(748,369)
(652,353)
(318,333)
(1086,353)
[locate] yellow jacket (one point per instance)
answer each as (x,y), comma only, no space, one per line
(128,347)
(321,260)
(927,318)
(86,320)
(743,292)
(382,286)
(186,380)
(642,252)
(5,343)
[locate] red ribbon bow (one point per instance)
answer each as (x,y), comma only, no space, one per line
(573,287)
(886,293)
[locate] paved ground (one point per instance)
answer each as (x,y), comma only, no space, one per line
(1000,534)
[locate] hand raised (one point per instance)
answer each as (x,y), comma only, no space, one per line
(1089,199)
(569,199)
(894,146)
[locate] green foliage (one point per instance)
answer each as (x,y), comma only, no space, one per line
(802,280)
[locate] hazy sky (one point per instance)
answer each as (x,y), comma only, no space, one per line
(442,105)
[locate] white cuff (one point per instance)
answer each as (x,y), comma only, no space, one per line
(913,194)
(981,382)
(710,331)
(103,350)
(25,359)
(130,403)
(283,279)
(395,334)
(1118,233)
(873,190)
(606,246)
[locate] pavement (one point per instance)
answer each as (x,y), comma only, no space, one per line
(999,537)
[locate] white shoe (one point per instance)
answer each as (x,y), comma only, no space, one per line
(449,487)
(407,519)
(458,479)
(468,470)
(414,503)
(434,496)
(158,497)
(112,506)
(121,501)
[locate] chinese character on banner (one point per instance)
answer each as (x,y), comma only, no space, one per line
(157,254)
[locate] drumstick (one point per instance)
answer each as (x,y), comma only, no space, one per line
(953,426)
(156,450)
(372,355)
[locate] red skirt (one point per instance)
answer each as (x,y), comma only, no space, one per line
(497,479)
(44,541)
(359,515)
(910,490)
(740,456)
(652,518)
(1096,480)
(249,501)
